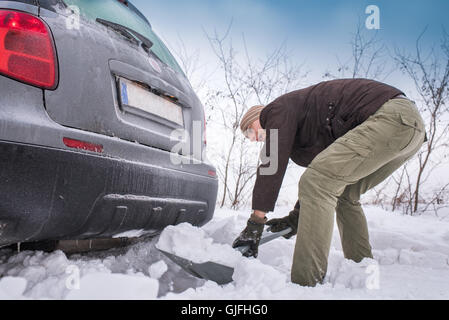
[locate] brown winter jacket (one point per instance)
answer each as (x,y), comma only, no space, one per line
(309,120)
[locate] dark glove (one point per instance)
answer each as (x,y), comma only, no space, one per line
(277,225)
(250,236)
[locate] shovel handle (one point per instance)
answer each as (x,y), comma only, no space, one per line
(267,236)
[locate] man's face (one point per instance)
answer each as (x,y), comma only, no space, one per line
(255,132)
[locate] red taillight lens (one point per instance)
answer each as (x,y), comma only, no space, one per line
(212,173)
(27,51)
(82,145)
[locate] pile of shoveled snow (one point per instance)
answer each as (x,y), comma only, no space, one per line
(194,244)
(411,261)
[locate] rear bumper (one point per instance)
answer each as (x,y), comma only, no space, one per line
(54,194)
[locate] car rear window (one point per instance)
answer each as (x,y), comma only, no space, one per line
(124,13)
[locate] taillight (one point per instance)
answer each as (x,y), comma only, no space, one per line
(212,173)
(27,51)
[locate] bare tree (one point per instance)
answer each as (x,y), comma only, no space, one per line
(247,80)
(438,202)
(368,57)
(398,197)
(429,71)
(195,69)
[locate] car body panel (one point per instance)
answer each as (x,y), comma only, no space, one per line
(103,55)
(59,194)
(25,6)
(50,191)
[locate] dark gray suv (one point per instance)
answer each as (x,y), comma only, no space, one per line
(89,100)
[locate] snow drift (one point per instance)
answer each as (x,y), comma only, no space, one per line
(411,261)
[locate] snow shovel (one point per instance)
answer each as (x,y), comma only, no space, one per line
(217,272)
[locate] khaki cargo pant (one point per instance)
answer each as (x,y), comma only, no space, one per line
(334,181)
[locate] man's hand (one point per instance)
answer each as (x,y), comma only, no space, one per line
(251,235)
(277,225)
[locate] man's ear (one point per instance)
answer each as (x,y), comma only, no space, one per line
(248,132)
(262,135)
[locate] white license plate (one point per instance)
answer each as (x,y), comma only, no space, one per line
(139,97)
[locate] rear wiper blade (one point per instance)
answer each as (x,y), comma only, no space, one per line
(145,42)
(132,35)
(119,29)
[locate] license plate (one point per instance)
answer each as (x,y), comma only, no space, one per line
(136,96)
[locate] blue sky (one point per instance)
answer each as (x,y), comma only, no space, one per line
(315,31)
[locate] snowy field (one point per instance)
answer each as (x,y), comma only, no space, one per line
(411,261)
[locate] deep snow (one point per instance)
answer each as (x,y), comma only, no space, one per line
(411,261)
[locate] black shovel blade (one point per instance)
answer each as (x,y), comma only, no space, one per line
(216,272)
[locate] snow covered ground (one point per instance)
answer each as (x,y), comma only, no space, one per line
(411,261)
